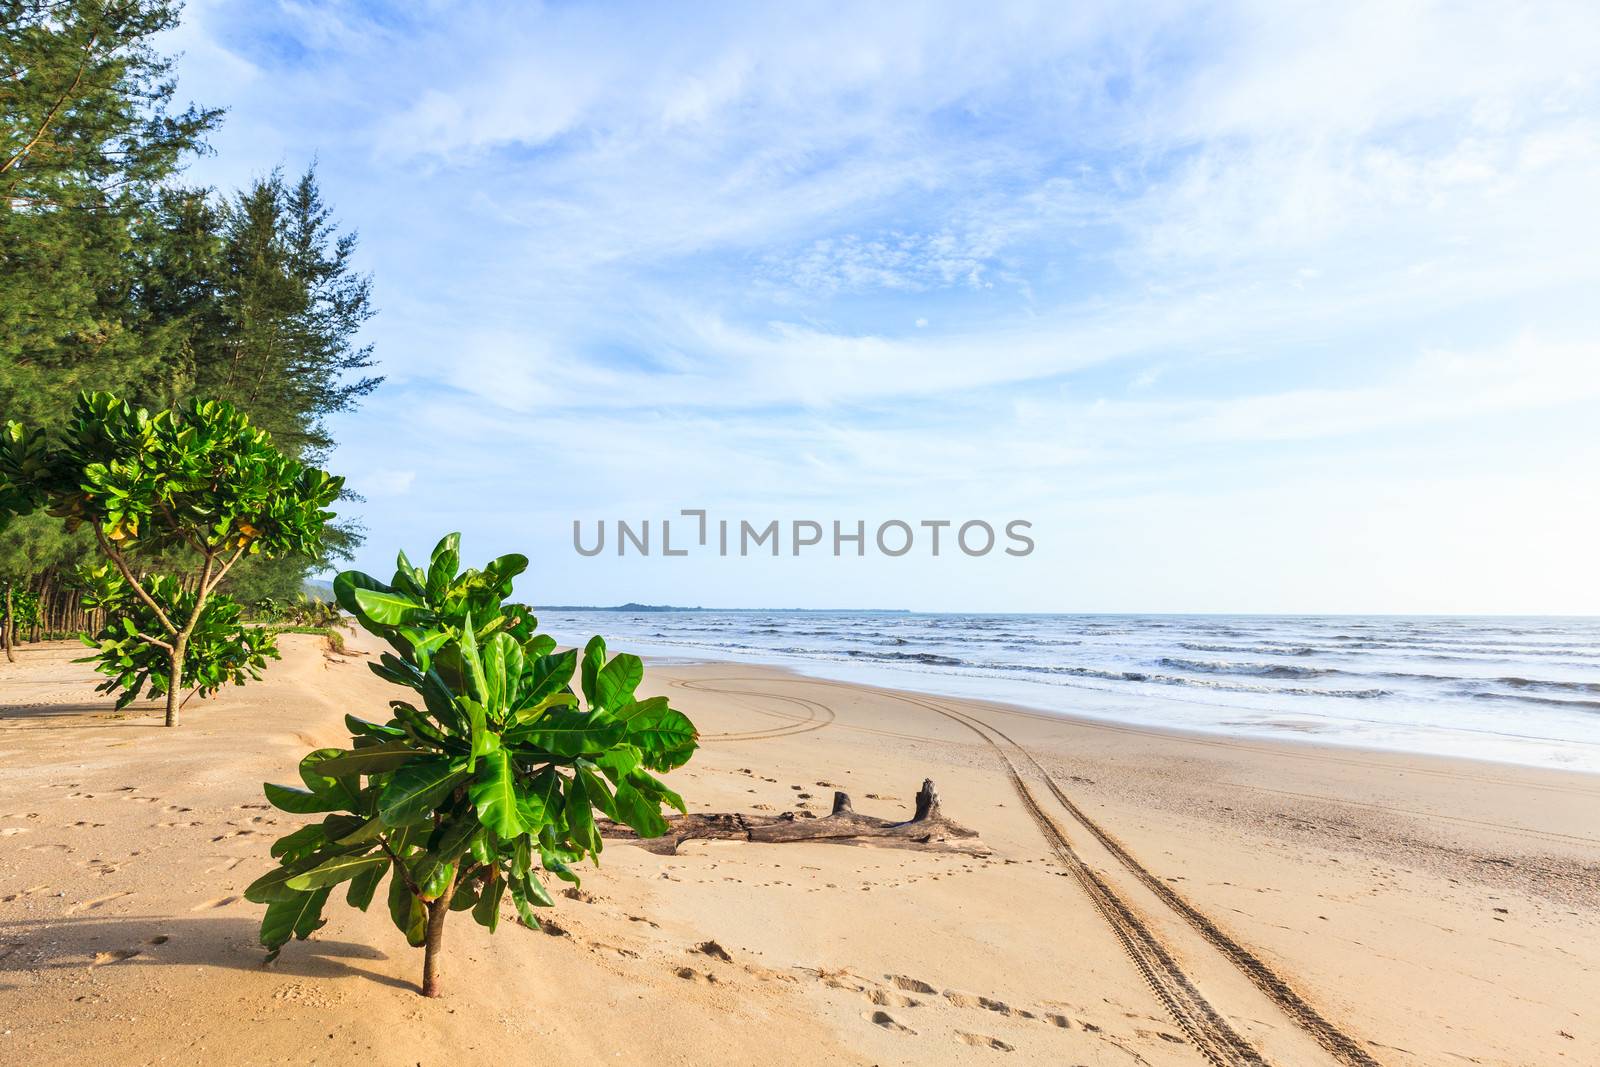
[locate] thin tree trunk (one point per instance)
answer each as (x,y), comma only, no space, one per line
(7,635)
(175,679)
(438,912)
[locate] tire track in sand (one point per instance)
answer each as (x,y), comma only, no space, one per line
(1341,1046)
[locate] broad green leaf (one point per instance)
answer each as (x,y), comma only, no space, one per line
(317,778)
(534,712)
(300,801)
(519,898)
(443,564)
(473,662)
(639,811)
(495,795)
(618,762)
(487,909)
(363,728)
(374,759)
(579,811)
(549,674)
(656,790)
(617,680)
(411,794)
(408,578)
(539,802)
(594,658)
(274,884)
(595,787)
(363,886)
(433,874)
(391,608)
(303,841)
(297,916)
(666,738)
(345,585)
(648,706)
(504,568)
(483,739)
(453,838)
(336,870)
(465,897)
(566,733)
(495,666)
(409,914)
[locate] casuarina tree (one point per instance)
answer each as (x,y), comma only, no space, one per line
(484,779)
(197,488)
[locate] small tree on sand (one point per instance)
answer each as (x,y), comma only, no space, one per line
(199,486)
(493,765)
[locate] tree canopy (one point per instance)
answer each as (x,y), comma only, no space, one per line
(116,276)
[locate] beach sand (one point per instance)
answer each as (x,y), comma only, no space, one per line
(1151,896)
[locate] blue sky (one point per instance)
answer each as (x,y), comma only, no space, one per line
(1247,307)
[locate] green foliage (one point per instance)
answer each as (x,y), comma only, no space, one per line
(115,276)
(303,611)
(199,482)
(220,649)
(492,762)
(88,137)
(200,477)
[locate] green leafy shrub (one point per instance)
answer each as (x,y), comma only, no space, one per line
(221,649)
(491,770)
(301,611)
(199,484)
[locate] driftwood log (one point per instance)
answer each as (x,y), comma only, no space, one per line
(928,830)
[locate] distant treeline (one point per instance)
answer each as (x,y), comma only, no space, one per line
(115,274)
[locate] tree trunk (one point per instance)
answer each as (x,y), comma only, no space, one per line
(174,679)
(438,912)
(6,627)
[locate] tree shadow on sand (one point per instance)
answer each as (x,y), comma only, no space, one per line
(78,716)
(166,941)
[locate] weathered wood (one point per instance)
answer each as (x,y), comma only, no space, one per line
(927,830)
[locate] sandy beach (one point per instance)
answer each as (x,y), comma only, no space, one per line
(1150,897)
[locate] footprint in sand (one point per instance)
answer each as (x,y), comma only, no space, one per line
(116,955)
(888,1022)
(886,999)
(219,902)
(910,985)
(714,950)
(970,1000)
(97,902)
(692,975)
(983,1041)
(12,831)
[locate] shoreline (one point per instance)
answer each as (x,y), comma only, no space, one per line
(1289,734)
(1423,908)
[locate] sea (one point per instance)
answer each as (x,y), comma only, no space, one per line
(1519,690)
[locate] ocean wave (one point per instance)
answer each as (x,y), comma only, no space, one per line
(1258,670)
(1550,702)
(1545,685)
(1196,683)
(930,658)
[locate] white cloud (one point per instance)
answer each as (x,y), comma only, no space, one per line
(641,258)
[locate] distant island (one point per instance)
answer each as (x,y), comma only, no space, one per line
(619,607)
